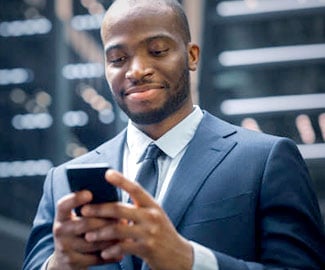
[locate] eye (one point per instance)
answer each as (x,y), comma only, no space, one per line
(117,60)
(159,52)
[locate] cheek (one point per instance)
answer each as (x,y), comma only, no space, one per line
(114,79)
(175,67)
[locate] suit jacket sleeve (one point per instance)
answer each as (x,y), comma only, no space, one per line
(289,227)
(40,244)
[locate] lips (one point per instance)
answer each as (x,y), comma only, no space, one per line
(142,88)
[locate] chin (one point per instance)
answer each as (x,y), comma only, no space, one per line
(147,118)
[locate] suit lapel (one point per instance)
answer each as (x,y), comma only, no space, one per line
(205,152)
(112,151)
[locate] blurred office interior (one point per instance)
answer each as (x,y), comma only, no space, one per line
(262,67)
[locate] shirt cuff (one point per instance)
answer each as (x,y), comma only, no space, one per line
(204,258)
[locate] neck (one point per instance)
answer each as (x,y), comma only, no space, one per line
(155,131)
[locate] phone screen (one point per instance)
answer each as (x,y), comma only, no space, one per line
(91,177)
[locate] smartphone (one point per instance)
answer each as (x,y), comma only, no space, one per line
(91,176)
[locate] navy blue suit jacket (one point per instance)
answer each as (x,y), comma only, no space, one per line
(245,195)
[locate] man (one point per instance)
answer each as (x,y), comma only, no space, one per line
(227,198)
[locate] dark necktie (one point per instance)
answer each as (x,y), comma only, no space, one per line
(147,177)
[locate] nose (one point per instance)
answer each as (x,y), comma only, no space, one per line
(139,69)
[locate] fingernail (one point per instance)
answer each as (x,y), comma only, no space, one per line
(86,195)
(111,252)
(90,237)
(109,174)
(86,210)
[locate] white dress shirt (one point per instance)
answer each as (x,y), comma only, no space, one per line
(174,144)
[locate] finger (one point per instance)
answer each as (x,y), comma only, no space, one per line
(80,245)
(129,247)
(112,253)
(139,196)
(79,226)
(85,253)
(110,211)
(112,232)
(75,245)
(69,202)
(81,261)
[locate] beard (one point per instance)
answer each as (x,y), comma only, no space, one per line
(172,104)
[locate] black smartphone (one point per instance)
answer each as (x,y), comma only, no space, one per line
(91,177)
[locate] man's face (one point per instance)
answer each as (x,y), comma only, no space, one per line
(146,63)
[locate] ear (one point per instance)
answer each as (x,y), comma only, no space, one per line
(193,52)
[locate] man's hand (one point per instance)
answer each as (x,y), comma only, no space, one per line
(148,232)
(72,251)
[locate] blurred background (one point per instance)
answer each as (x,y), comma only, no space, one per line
(262,67)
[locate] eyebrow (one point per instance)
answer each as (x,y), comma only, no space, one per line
(160,36)
(109,47)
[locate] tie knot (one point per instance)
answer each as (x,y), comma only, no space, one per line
(152,152)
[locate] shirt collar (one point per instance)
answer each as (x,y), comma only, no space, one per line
(171,143)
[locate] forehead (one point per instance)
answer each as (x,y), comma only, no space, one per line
(138,21)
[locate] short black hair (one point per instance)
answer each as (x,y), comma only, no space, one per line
(177,9)
(181,18)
